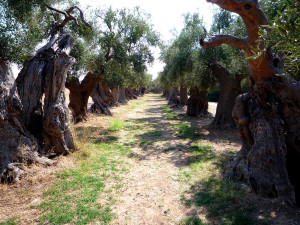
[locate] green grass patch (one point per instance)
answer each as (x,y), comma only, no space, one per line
(186,131)
(79,195)
(11,221)
(170,115)
(191,221)
(116,125)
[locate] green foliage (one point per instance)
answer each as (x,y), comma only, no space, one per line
(124,41)
(23,24)
(282,33)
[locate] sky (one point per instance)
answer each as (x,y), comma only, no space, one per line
(165,14)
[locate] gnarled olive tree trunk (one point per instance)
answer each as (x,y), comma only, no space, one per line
(46,74)
(130,93)
(122,96)
(197,104)
(79,95)
(166,93)
(230,88)
(101,96)
(183,95)
(173,97)
(17,146)
(268,116)
(115,98)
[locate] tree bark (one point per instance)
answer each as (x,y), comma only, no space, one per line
(122,96)
(79,95)
(268,116)
(230,88)
(101,96)
(46,74)
(130,94)
(197,104)
(183,95)
(115,98)
(166,93)
(17,146)
(173,97)
(143,90)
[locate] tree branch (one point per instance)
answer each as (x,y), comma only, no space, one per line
(217,40)
(68,17)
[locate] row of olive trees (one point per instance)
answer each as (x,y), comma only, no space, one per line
(115,47)
(190,67)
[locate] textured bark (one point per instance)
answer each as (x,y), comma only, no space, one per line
(46,74)
(122,95)
(101,96)
(79,95)
(143,90)
(269,126)
(115,98)
(197,104)
(230,88)
(166,93)
(130,93)
(183,95)
(17,146)
(253,17)
(268,116)
(173,97)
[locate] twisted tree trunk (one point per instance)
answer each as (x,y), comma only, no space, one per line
(130,93)
(268,116)
(46,74)
(101,96)
(166,93)
(197,104)
(173,97)
(115,98)
(79,95)
(230,88)
(122,95)
(183,95)
(17,146)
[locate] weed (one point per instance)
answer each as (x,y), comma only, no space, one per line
(116,125)
(186,131)
(10,221)
(170,115)
(191,221)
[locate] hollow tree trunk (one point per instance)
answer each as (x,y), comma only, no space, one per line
(17,146)
(197,104)
(46,74)
(183,95)
(79,95)
(115,98)
(230,88)
(173,98)
(122,95)
(101,97)
(268,116)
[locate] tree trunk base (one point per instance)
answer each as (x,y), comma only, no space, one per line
(197,104)
(101,97)
(269,127)
(18,147)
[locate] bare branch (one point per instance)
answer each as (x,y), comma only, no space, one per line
(217,40)
(68,17)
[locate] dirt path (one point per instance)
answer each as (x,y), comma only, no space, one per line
(153,190)
(148,164)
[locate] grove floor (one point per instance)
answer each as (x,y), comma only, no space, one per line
(148,164)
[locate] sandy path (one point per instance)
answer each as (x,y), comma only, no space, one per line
(151,194)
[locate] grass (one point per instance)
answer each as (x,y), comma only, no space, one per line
(221,198)
(186,131)
(80,195)
(170,115)
(10,221)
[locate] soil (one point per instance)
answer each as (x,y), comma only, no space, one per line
(151,190)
